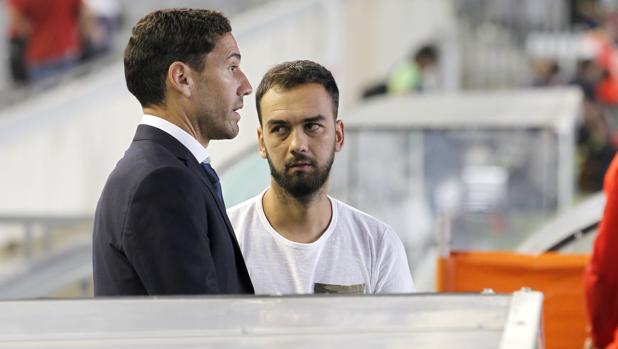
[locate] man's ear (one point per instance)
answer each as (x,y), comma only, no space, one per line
(339,135)
(180,78)
(261,146)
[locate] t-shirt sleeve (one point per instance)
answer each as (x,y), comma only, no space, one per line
(393,272)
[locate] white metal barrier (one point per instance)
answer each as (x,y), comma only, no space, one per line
(435,321)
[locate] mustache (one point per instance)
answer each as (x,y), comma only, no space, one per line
(298,159)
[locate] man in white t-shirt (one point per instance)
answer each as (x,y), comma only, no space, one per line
(293,236)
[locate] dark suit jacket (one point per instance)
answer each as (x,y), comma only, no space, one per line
(159,228)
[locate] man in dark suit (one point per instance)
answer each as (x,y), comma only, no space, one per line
(160,225)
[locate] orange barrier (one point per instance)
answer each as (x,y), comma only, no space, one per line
(559,277)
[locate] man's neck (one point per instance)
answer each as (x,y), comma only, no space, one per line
(179,118)
(298,221)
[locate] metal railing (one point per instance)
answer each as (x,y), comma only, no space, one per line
(53,252)
(46,225)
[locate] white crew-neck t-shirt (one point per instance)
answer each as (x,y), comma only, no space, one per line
(356,254)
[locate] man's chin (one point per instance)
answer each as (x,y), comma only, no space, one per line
(299,188)
(232,127)
(232,131)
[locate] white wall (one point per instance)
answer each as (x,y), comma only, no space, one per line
(56,152)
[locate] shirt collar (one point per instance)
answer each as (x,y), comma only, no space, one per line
(195,147)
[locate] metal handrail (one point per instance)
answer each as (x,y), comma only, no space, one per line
(44,275)
(574,236)
(44,222)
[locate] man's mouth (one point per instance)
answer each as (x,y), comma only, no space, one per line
(300,164)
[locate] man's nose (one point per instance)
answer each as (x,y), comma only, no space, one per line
(245,86)
(298,143)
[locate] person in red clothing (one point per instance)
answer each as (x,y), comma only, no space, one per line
(601,277)
(52,31)
(17,51)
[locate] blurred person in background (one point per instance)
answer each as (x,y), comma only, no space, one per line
(51,30)
(416,74)
(595,148)
(160,225)
(17,53)
(295,238)
(601,276)
(595,142)
(585,14)
(587,76)
(598,79)
(106,19)
(603,42)
(546,73)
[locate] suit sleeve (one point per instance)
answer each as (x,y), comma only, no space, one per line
(601,276)
(166,237)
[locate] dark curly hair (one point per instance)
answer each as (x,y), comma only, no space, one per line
(163,37)
(288,75)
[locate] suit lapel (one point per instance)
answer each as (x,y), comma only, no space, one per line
(192,163)
(146,132)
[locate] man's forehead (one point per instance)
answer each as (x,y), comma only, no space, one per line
(295,98)
(308,92)
(226,46)
(275,120)
(303,101)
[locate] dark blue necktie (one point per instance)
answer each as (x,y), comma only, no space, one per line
(214,180)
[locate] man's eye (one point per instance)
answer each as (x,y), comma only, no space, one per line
(277,129)
(312,126)
(233,68)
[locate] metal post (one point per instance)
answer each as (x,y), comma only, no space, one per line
(28,240)
(47,237)
(443,234)
(84,288)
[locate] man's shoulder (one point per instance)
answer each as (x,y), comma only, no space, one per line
(355,215)
(151,150)
(244,217)
(244,208)
(147,165)
(146,156)
(365,226)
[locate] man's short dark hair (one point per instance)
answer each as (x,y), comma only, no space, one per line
(427,53)
(166,36)
(289,75)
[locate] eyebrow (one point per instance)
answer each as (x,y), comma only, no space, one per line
(319,117)
(316,118)
(234,55)
(275,122)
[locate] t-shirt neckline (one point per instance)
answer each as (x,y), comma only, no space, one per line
(297,245)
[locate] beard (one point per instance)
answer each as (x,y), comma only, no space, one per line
(301,185)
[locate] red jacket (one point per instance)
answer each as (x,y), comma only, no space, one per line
(601,277)
(55,28)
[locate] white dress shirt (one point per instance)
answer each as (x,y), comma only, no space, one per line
(195,147)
